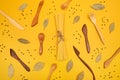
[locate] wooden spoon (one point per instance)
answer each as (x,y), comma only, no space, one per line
(41,37)
(53,68)
(93,19)
(108,61)
(14,55)
(84,30)
(35,19)
(65,5)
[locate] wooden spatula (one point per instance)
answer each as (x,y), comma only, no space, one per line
(35,19)
(84,30)
(14,55)
(108,61)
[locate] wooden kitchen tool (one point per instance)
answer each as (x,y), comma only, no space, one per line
(84,30)
(41,37)
(14,55)
(65,5)
(93,20)
(36,17)
(108,61)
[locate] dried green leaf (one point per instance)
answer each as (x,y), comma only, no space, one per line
(111,27)
(45,23)
(10,71)
(24,41)
(38,66)
(69,65)
(80,76)
(98,58)
(76,19)
(98,6)
(23,6)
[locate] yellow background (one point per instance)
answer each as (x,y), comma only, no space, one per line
(112,40)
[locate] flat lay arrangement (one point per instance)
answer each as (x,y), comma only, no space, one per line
(59,40)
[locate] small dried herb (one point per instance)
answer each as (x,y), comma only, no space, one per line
(38,66)
(11,71)
(80,76)
(98,6)
(76,19)
(24,41)
(98,58)
(23,6)
(45,23)
(69,65)
(111,27)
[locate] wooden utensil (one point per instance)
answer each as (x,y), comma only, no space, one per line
(41,38)
(53,68)
(65,5)
(84,30)
(93,19)
(12,21)
(89,68)
(35,19)
(14,55)
(108,61)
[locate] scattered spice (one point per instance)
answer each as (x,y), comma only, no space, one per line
(14,55)
(76,19)
(23,6)
(35,19)
(109,60)
(98,6)
(24,41)
(89,68)
(80,76)
(112,27)
(69,65)
(84,30)
(38,66)
(11,71)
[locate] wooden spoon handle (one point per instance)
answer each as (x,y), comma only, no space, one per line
(53,68)
(108,61)
(84,30)
(99,34)
(35,19)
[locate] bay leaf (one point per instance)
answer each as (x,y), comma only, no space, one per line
(24,41)
(98,6)
(111,27)
(76,19)
(38,66)
(45,23)
(98,58)
(80,76)
(23,6)
(11,71)
(69,65)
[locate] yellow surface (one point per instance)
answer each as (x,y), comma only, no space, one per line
(112,40)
